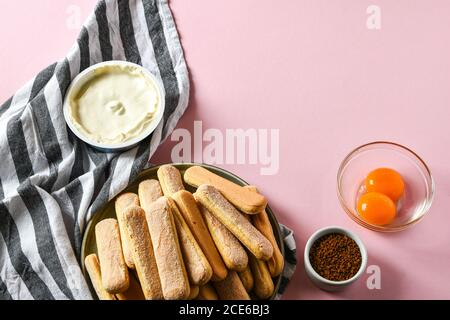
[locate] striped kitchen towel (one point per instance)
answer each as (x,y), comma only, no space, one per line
(50,182)
(290,259)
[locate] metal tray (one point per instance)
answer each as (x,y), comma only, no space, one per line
(108,211)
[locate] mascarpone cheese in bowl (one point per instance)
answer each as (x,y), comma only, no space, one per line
(114,105)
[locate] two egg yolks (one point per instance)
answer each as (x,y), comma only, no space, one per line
(384,188)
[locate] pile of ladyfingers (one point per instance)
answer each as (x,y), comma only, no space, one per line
(170,244)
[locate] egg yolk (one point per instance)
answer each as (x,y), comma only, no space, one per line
(385,181)
(376,208)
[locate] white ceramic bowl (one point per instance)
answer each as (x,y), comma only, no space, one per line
(320,281)
(85,76)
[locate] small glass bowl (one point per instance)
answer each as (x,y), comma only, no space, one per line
(419,183)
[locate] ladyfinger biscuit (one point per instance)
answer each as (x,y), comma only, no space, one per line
(231,288)
(242,229)
(243,199)
(263,287)
(247,278)
(246,275)
(194,292)
(262,223)
(143,256)
(170,179)
(172,272)
(93,269)
(232,252)
(191,214)
(197,266)
(134,291)
(207,292)
(114,271)
(122,203)
(149,192)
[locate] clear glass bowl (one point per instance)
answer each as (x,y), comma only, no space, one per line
(419,183)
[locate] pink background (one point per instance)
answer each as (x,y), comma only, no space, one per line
(313,70)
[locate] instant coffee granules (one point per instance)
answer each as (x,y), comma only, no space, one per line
(335,257)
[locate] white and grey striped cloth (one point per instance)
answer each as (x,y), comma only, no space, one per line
(290,259)
(52,183)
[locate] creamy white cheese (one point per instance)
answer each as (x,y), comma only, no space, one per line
(115,105)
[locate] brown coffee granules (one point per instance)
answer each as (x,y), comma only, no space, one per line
(335,257)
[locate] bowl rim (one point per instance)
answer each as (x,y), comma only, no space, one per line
(323,232)
(372,226)
(127,144)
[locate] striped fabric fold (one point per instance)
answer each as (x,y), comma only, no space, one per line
(290,259)
(51,183)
